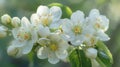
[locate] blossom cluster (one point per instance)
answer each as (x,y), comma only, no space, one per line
(54,35)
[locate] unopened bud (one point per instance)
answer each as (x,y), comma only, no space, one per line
(15,22)
(12,51)
(3,31)
(6,19)
(91,53)
(35,19)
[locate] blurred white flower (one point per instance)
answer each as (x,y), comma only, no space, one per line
(3,31)
(24,36)
(6,19)
(53,48)
(74,28)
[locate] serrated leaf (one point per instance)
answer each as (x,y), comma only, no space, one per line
(66,11)
(78,59)
(104,56)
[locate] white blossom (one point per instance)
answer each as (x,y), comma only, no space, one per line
(48,16)
(100,23)
(53,48)
(74,28)
(24,36)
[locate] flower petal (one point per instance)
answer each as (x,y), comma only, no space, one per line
(25,22)
(43,31)
(56,12)
(27,48)
(94,13)
(52,58)
(42,53)
(61,54)
(102,36)
(77,17)
(42,10)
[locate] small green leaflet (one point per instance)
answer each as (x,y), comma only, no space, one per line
(104,57)
(78,59)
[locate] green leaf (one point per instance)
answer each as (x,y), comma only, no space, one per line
(78,59)
(66,11)
(104,56)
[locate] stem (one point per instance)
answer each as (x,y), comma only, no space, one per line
(31,61)
(77,51)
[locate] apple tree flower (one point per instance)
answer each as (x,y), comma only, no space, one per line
(24,38)
(73,29)
(46,16)
(53,48)
(100,23)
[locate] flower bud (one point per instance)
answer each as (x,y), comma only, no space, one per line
(15,22)
(6,19)
(91,53)
(12,51)
(3,32)
(35,19)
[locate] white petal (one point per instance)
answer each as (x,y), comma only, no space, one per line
(42,53)
(34,36)
(61,54)
(25,22)
(63,45)
(44,41)
(67,26)
(102,36)
(104,22)
(55,25)
(94,13)
(77,17)
(56,12)
(27,48)
(18,43)
(42,10)
(76,42)
(15,32)
(52,58)
(43,31)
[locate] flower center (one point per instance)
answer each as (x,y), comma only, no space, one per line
(92,40)
(77,30)
(46,20)
(23,35)
(53,47)
(97,25)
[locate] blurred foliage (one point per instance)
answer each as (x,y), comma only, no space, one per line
(20,8)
